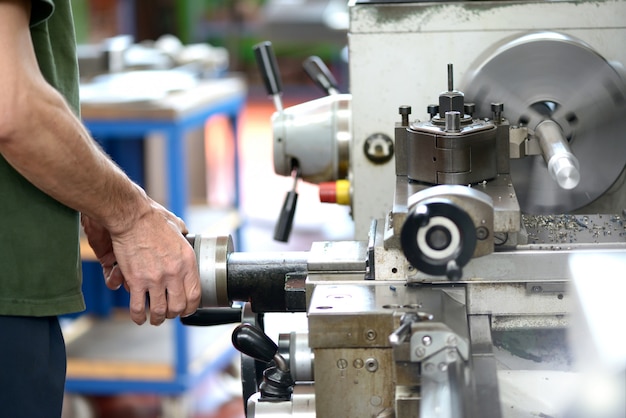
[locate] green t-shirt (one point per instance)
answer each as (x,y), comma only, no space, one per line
(40,266)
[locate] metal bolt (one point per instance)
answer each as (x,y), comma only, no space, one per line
(432,110)
(497,109)
(452,341)
(442,367)
(537,289)
(405,111)
(342,363)
(429,367)
(420,352)
(427,340)
(378,148)
(370,335)
(371,365)
(453,121)
(358,363)
(482,233)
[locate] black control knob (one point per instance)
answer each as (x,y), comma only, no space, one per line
(277,382)
(253,342)
(282,230)
(266,60)
(438,238)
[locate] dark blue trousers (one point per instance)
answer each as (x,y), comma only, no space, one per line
(32,367)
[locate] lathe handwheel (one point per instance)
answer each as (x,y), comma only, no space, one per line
(438,238)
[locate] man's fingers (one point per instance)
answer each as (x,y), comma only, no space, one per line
(137,306)
(193,293)
(158,306)
(114,279)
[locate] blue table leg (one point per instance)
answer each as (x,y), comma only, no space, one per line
(181,347)
(177,173)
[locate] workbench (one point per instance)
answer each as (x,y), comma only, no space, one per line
(113,123)
(107,352)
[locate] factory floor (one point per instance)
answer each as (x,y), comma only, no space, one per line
(261,196)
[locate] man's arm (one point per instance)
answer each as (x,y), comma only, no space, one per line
(43,140)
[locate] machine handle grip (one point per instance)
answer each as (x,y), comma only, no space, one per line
(253,342)
(266,60)
(213,316)
(285,219)
(321,75)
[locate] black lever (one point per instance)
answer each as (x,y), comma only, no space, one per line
(277,382)
(266,60)
(321,75)
(213,316)
(288,211)
(254,343)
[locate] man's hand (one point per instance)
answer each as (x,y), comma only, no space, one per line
(138,243)
(152,259)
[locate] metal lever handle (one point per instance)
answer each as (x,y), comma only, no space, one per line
(266,60)
(407,319)
(253,342)
(287,212)
(321,75)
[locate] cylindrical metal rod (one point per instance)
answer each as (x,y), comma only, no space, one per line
(562,163)
(450,78)
(453,122)
(260,278)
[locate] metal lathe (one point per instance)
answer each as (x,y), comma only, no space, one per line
(482,151)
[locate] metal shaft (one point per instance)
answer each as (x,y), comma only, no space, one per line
(562,164)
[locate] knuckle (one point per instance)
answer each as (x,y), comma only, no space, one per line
(177,307)
(136,308)
(195,294)
(158,311)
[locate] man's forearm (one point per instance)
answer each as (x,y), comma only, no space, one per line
(54,152)
(43,140)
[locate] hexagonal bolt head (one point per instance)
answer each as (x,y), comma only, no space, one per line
(451,101)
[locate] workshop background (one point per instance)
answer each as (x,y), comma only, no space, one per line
(116,369)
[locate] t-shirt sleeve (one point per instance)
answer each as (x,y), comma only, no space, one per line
(40,11)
